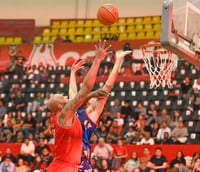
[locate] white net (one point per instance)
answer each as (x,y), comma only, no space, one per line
(160,65)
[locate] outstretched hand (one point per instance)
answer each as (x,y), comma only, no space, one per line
(99,94)
(78,64)
(120,55)
(101,51)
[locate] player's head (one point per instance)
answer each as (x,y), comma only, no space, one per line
(57,102)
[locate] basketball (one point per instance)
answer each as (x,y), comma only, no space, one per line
(107,14)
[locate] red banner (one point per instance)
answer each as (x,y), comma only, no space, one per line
(59,54)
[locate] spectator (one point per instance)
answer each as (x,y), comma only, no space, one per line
(141,110)
(39,148)
(38,165)
(33,75)
(196,85)
(164,117)
(129,135)
(105,166)
(8,117)
(103,151)
(145,158)
(19,137)
(18,123)
(38,130)
(105,120)
(197,101)
(8,138)
(185,88)
(94,139)
(3,110)
(10,155)
(105,37)
(119,119)
(8,129)
(11,68)
(147,140)
(13,92)
(116,108)
(176,119)
(114,37)
(4,84)
(166,140)
(29,125)
(20,166)
(140,121)
(7,165)
(127,111)
(152,108)
(44,76)
(102,132)
(180,160)
(36,105)
(115,131)
(27,151)
(136,140)
(164,128)
(93,163)
(154,118)
(19,60)
(194,158)
(120,154)
(154,131)
(46,156)
(179,134)
(158,161)
(196,166)
(132,163)
(19,102)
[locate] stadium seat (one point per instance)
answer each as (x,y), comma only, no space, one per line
(96,23)
(46,40)
(88,23)
(9,41)
(193,138)
(194,73)
(139,20)
(121,29)
(139,27)
(191,126)
(157,27)
(55,32)
(113,29)
(72,23)
(150,35)
(64,24)
(157,34)
(96,37)
(88,30)
(71,31)
(131,85)
(46,32)
(79,31)
(196,116)
(2,40)
(121,95)
(123,36)
(131,36)
(121,22)
(144,95)
(80,23)
(79,39)
(130,21)
(156,19)
(119,86)
(88,38)
(167,104)
(96,30)
(56,25)
(17,40)
(130,28)
(140,35)
(179,105)
(142,85)
(147,20)
(148,27)
(105,29)
(37,40)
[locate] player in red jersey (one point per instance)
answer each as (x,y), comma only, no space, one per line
(67,127)
(90,114)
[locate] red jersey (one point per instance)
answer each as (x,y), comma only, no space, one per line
(119,151)
(68,145)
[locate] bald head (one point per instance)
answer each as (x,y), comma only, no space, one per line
(56,102)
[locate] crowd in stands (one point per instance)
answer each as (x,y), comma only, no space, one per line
(24,119)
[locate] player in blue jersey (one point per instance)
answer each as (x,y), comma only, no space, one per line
(90,114)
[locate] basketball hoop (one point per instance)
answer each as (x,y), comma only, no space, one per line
(160,64)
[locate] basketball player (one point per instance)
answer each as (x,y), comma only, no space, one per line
(89,116)
(67,127)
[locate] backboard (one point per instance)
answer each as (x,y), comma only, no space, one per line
(180,31)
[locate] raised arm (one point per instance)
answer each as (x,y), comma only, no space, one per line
(66,116)
(95,110)
(78,64)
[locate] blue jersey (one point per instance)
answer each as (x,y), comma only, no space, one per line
(88,128)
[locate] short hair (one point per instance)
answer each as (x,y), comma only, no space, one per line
(159,148)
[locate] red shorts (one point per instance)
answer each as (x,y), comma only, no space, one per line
(60,166)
